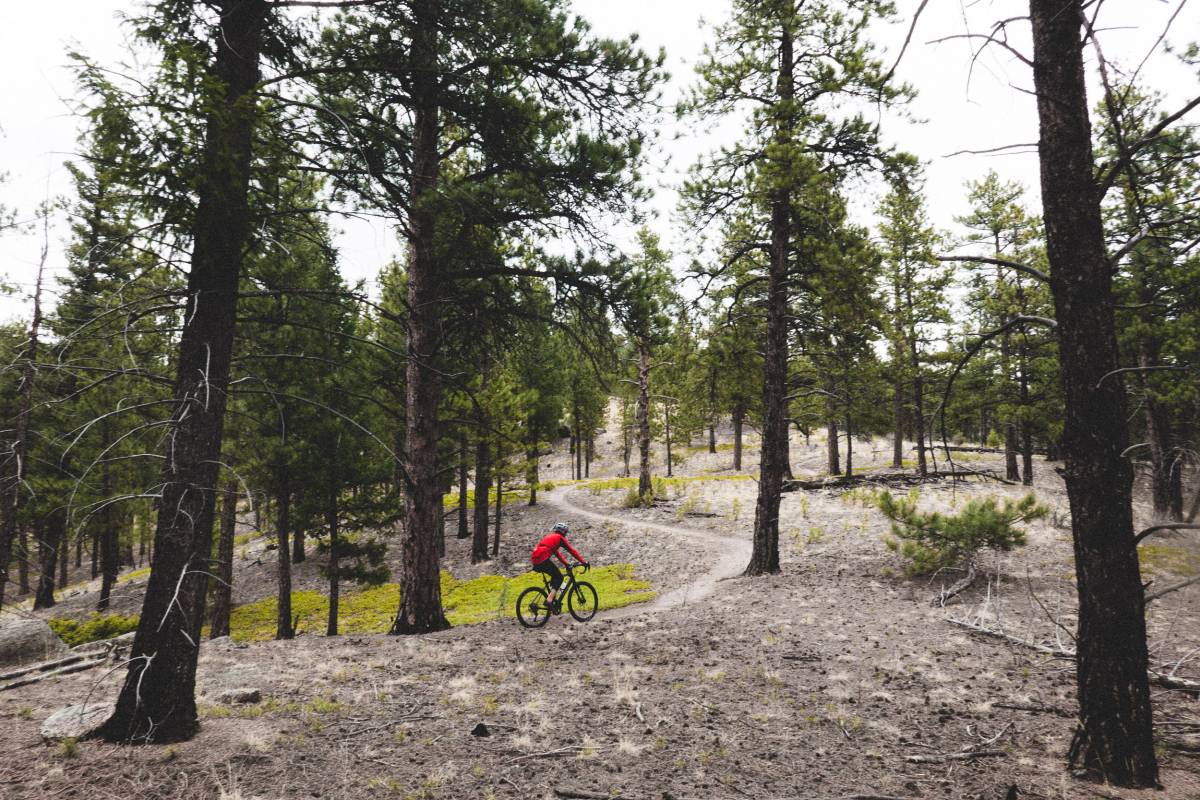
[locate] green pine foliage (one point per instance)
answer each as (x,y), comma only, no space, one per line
(934,541)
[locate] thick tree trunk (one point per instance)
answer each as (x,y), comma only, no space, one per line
(531,474)
(833,461)
(1158,435)
(51,533)
(1026,426)
(739,421)
(643,421)
(283,620)
(223,591)
(898,413)
(109,534)
(464,528)
(298,546)
(334,568)
(157,701)
(919,420)
(483,485)
(499,504)
(420,608)
(667,424)
(1115,734)
(764,556)
(64,555)
(849,447)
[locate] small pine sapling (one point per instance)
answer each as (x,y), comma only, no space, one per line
(933,541)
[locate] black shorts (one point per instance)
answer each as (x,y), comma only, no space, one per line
(550,569)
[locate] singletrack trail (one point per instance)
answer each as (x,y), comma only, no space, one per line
(732,555)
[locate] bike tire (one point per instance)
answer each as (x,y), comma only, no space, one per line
(583,602)
(532,609)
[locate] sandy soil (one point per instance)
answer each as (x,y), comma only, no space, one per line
(825,681)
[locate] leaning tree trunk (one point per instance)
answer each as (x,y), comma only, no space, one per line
(764,556)
(1114,737)
(420,609)
(157,701)
(643,421)
(223,591)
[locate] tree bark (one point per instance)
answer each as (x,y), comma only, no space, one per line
(833,462)
(64,556)
(643,421)
(334,568)
(1114,737)
(667,424)
(739,418)
(483,485)
(157,701)
(109,537)
(1158,435)
(420,609)
(298,546)
(464,529)
(223,591)
(712,405)
(52,532)
(849,447)
(764,556)
(1026,427)
(919,420)
(283,619)
(531,475)
(499,503)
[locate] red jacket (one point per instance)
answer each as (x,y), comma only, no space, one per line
(549,545)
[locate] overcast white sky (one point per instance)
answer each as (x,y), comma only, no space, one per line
(37,130)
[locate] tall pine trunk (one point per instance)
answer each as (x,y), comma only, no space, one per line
(109,536)
(334,568)
(1114,737)
(464,528)
(51,534)
(483,485)
(283,514)
(499,503)
(739,423)
(157,701)
(643,421)
(420,609)
(764,556)
(223,591)
(531,472)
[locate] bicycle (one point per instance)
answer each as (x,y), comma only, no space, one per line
(533,609)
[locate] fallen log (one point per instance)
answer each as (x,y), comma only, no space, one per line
(67,670)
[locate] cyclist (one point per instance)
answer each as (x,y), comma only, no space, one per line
(546,549)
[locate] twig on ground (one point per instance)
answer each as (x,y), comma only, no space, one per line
(1035,708)
(968,756)
(562,751)
(580,794)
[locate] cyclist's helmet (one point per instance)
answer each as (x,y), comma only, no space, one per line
(561,528)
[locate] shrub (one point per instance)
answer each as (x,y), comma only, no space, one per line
(95,628)
(934,541)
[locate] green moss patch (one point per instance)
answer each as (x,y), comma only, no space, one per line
(95,628)
(520,494)
(1157,558)
(485,598)
(135,575)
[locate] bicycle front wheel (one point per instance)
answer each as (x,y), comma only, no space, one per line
(532,609)
(583,602)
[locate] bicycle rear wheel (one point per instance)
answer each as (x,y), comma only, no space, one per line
(532,609)
(583,601)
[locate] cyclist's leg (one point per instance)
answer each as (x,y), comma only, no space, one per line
(550,570)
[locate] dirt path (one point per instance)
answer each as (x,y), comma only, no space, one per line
(731,555)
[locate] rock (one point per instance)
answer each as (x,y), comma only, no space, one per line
(234,696)
(481,730)
(28,640)
(75,722)
(105,645)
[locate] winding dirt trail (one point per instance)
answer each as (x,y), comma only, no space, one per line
(732,555)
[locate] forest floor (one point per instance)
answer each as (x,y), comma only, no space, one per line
(836,678)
